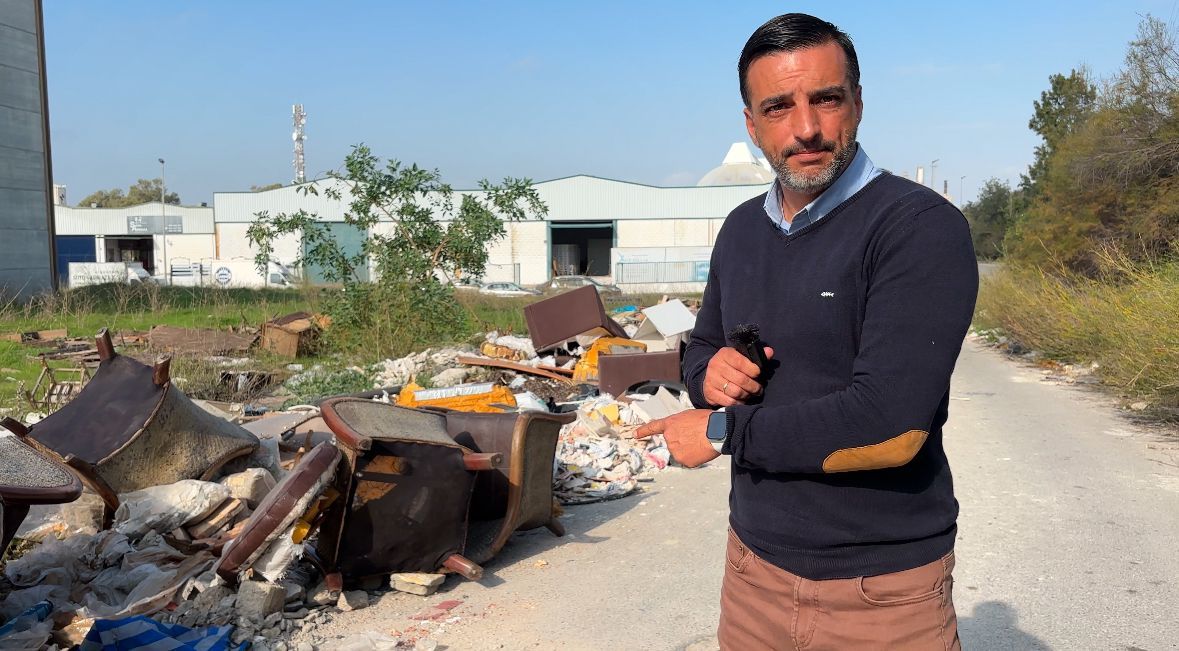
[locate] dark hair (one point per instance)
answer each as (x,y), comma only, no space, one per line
(790,32)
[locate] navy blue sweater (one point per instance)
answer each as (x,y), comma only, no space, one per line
(838,468)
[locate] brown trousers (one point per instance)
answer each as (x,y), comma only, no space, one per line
(766,607)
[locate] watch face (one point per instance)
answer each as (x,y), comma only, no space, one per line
(717,424)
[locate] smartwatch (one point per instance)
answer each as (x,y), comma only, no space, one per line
(718,426)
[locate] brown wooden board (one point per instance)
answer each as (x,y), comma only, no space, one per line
(512,366)
(188,341)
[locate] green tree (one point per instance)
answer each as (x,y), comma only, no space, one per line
(1108,171)
(144,191)
(990,216)
(1059,112)
(416,233)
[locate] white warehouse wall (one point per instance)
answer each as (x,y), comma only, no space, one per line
(232,243)
(193,248)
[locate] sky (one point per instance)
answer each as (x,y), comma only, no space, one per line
(643,92)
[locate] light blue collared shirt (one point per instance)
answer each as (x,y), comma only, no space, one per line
(859,172)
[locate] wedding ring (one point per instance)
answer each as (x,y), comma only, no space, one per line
(725,389)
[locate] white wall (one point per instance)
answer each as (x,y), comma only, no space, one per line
(194,248)
(525,244)
(667,232)
(232,243)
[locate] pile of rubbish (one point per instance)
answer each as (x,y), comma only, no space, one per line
(218,529)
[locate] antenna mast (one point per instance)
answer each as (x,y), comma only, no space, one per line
(300,120)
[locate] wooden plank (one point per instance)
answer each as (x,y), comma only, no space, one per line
(556,369)
(38,335)
(512,366)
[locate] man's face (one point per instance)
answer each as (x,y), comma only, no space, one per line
(803,115)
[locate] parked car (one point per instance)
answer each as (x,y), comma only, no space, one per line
(564,283)
(507,289)
(467,283)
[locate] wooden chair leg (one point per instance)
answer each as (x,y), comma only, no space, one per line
(556,528)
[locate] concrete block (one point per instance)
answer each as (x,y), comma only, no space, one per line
(257,599)
(352,600)
(419,583)
(249,486)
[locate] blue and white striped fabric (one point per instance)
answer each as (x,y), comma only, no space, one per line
(142,633)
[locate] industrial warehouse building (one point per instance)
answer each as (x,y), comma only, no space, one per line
(172,238)
(26,185)
(641,237)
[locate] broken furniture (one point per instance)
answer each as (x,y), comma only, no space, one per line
(286,503)
(50,391)
(131,428)
(586,369)
(405,490)
(564,317)
(518,495)
(27,477)
(617,374)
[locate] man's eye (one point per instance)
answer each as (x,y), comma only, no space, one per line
(829,100)
(776,108)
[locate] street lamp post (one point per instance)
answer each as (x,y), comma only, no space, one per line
(961,193)
(164,221)
(933,173)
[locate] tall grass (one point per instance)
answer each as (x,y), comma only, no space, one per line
(1126,319)
(86,310)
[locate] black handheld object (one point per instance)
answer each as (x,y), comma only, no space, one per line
(746,339)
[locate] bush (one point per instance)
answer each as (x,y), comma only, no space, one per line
(1123,318)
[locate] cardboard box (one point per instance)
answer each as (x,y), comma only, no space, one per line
(293,334)
(666,326)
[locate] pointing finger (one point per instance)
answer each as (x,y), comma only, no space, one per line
(650,429)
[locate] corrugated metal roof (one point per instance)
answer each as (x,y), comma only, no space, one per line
(574,198)
(113,221)
(243,206)
(578,198)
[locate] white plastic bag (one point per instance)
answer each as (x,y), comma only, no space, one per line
(164,508)
(367,641)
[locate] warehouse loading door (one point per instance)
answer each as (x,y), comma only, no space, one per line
(581,248)
(350,239)
(132,249)
(73,248)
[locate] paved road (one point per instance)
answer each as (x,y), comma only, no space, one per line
(1067,540)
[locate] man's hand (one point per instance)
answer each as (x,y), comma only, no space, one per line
(731,379)
(685,434)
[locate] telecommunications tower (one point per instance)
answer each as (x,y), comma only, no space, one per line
(300,119)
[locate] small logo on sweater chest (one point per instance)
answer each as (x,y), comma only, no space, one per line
(828,294)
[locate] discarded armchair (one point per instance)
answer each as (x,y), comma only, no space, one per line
(405,490)
(26,478)
(518,495)
(131,428)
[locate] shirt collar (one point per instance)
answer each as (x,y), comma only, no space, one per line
(855,176)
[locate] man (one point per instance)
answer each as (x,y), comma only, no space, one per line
(842,510)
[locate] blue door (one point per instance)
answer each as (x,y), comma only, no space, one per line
(73,248)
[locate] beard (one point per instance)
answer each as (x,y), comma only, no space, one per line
(812,181)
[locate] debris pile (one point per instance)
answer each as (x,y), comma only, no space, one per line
(598,457)
(219,524)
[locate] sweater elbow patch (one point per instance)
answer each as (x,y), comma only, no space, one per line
(895,452)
